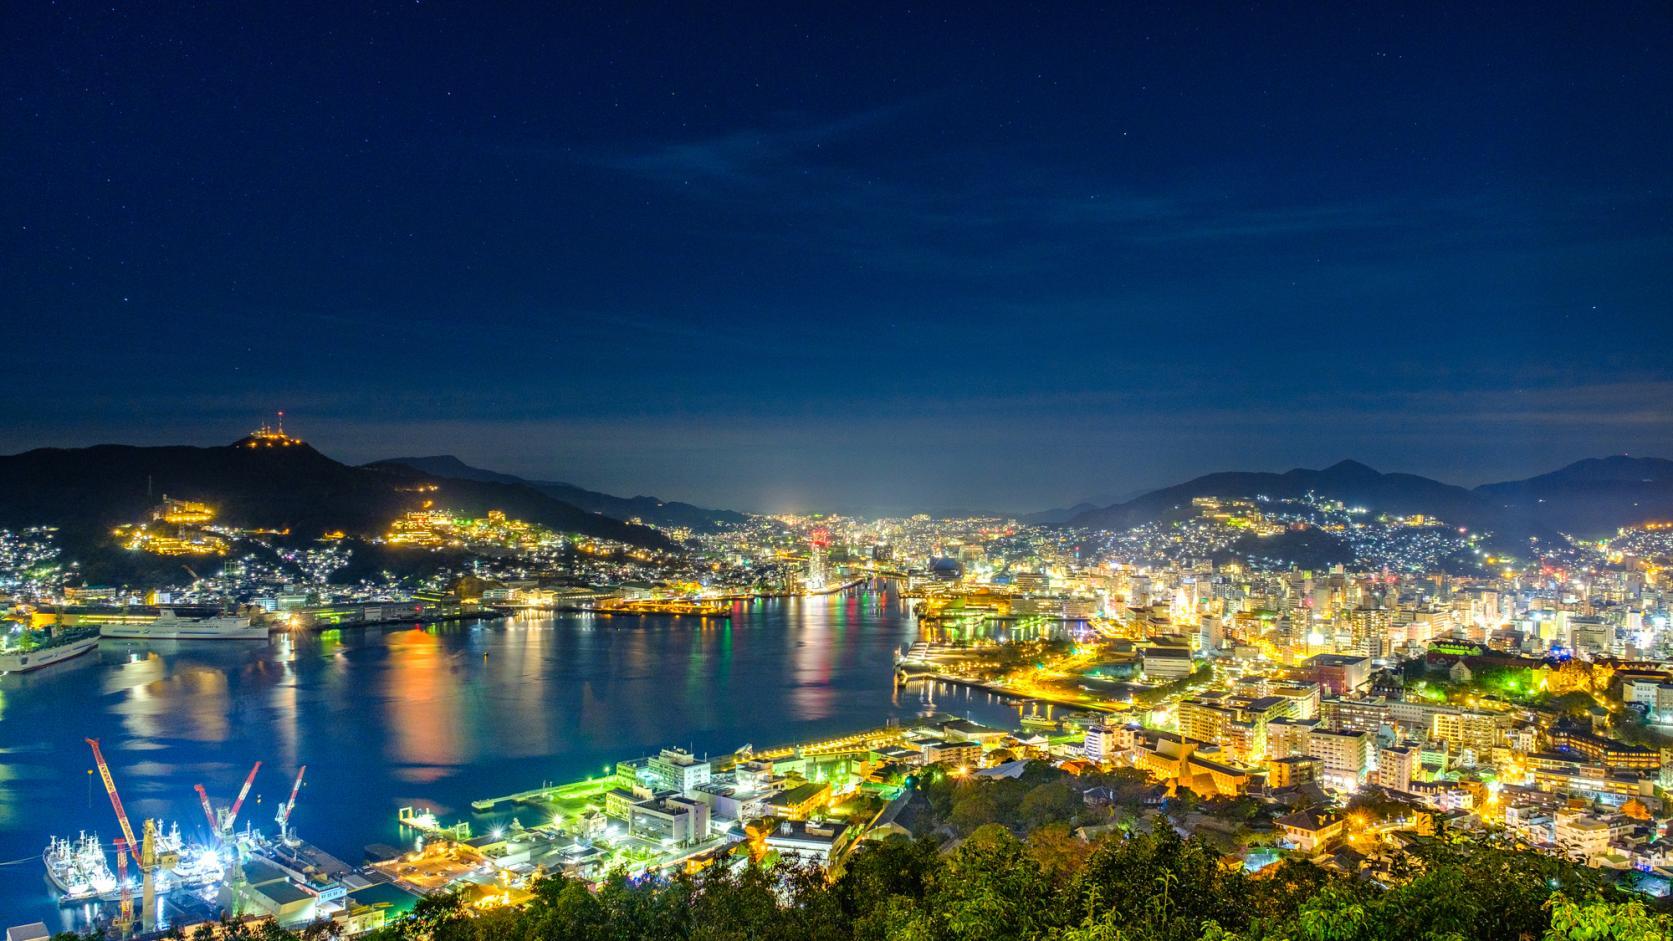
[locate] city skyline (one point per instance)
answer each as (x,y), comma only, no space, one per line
(1007,262)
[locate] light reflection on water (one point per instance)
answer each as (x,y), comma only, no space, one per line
(438,716)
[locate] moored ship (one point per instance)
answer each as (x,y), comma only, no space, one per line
(168,625)
(77,869)
(55,649)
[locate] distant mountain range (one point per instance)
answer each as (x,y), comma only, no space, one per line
(1590,498)
(650,509)
(1063,514)
(86,491)
(1351,482)
(1593,497)
(1060,515)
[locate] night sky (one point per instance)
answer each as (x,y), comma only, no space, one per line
(759,258)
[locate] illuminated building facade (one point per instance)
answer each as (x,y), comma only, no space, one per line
(818,559)
(1345,757)
(177,527)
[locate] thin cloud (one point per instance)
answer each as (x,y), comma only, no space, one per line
(747,156)
(928,217)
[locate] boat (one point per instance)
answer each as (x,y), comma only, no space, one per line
(55,649)
(170,626)
(77,869)
(195,869)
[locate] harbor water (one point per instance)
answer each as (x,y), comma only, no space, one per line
(430,716)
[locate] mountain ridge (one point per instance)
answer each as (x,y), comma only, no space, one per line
(1591,497)
(86,491)
(1350,481)
(648,508)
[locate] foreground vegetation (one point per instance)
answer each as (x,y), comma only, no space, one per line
(1129,887)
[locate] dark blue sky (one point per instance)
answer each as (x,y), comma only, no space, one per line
(1006,257)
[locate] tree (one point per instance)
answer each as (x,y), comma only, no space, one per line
(1055,800)
(1163,884)
(1058,852)
(990,890)
(1604,921)
(1576,704)
(894,867)
(974,806)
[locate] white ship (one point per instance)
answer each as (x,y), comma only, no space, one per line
(170,626)
(78,869)
(198,869)
(198,866)
(56,650)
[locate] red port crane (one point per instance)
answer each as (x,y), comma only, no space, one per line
(243,792)
(132,845)
(208,811)
(283,817)
(126,919)
(219,827)
(110,788)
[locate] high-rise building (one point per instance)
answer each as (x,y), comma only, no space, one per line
(1339,674)
(1104,742)
(1397,766)
(1288,737)
(1346,756)
(818,559)
(1369,629)
(678,770)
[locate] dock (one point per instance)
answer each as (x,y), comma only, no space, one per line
(856,743)
(550,793)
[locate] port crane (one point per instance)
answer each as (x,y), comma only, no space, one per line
(283,816)
(243,792)
(143,850)
(208,811)
(221,825)
(125,918)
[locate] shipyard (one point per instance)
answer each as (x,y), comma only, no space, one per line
(809,803)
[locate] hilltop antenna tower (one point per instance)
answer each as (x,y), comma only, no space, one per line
(271,433)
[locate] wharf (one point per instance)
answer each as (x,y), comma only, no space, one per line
(833,589)
(909,675)
(703,609)
(551,793)
(468,614)
(829,748)
(855,743)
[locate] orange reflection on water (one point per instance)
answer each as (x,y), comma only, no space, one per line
(422,701)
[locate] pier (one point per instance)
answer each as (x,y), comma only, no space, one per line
(1091,705)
